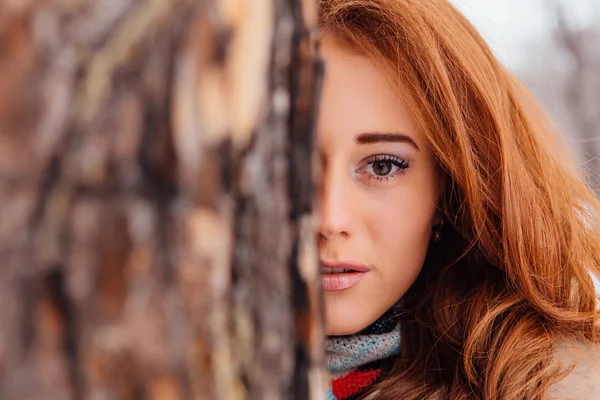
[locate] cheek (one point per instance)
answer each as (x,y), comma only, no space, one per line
(399,229)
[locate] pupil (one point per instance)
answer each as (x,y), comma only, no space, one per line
(382,167)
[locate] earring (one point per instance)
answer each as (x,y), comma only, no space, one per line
(437,233)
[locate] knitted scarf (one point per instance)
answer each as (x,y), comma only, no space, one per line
(357,362)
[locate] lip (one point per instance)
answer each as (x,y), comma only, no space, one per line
(355,266)
(342,281)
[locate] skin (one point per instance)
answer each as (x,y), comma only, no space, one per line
(377,199)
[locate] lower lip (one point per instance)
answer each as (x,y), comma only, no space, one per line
(337,282)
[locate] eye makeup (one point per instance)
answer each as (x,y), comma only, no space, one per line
(383,167)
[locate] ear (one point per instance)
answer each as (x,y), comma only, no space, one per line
(439,214)
(438,218)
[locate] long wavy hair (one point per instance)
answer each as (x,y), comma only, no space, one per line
(513,274)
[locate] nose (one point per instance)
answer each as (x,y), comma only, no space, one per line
(334,204)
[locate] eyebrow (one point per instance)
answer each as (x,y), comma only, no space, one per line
(374,137)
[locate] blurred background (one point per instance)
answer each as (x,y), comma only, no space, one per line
(553,46)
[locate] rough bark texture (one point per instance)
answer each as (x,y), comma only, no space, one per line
(156,189)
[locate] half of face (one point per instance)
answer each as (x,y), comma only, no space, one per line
(378,196)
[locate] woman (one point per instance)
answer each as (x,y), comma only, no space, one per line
(458,245)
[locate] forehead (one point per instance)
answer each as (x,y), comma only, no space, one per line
(357,95)
(347,72)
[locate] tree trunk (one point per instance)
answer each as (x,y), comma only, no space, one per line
(581,98)
(156,234)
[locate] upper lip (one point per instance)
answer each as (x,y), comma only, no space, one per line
(355,266)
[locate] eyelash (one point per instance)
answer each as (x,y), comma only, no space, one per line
(398,162)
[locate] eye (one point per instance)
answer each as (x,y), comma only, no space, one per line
(384,167)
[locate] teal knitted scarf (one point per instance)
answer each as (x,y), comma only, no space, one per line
(356,362)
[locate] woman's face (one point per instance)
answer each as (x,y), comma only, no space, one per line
(378,193)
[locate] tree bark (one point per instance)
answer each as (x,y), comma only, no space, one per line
(156,183)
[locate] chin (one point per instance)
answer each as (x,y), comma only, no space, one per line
(333,329)
(343,316)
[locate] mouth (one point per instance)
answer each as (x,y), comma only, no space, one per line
(337,276)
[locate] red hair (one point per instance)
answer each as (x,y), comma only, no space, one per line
(512,276)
